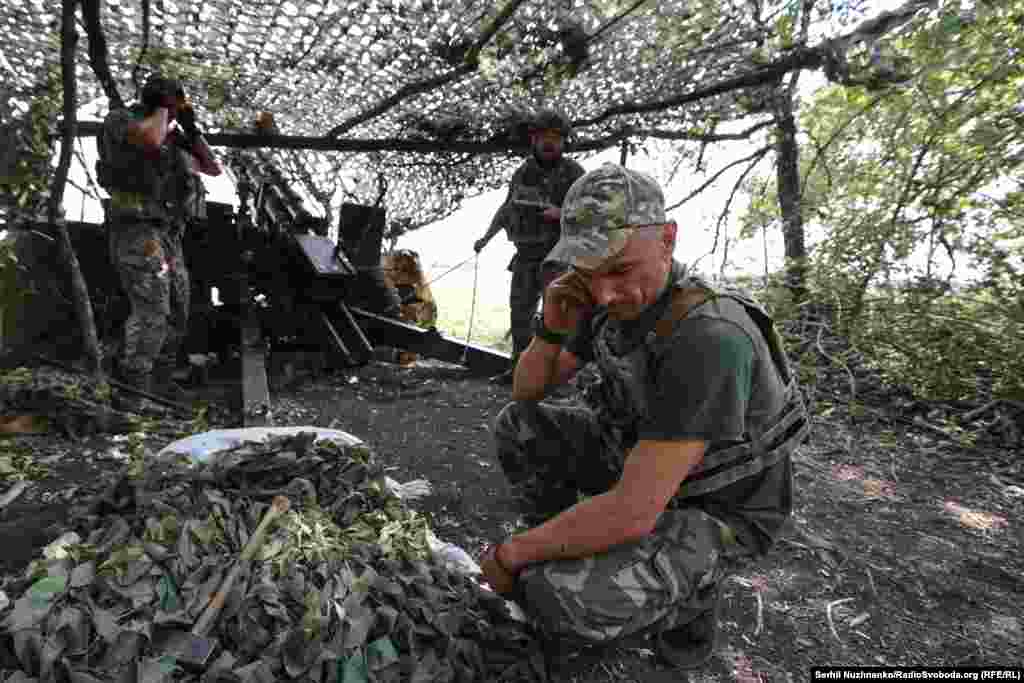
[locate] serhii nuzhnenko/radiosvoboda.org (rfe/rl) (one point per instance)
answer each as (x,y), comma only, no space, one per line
(914,674)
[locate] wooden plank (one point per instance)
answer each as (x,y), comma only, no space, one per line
(255,388)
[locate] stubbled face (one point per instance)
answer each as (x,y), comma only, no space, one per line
(634,278)
(547,144)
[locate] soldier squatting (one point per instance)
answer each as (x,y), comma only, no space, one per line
(642,493)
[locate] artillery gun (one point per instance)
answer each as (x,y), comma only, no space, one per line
(283,286)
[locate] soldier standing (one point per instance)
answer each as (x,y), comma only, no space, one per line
(530,216)
(150,158)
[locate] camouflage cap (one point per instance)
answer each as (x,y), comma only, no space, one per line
(601,211)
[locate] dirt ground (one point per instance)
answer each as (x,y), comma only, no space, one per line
(904,548)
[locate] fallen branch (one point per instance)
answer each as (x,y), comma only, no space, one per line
(760,613)
(13,494)
(1017,406)
(126,388)
(830,359)
(919,422)
(828,614)
(871,582)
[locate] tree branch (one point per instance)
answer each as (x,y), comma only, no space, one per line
(68,39)
(699,137)
(615,20)
(79,289)
(327,144)
(732,195)
(766,75)
(145,45)
(755,157)
(98,52)
(470,65)
(828,53)
(835,136)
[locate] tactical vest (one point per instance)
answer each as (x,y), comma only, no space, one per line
(620,396)
(533,188)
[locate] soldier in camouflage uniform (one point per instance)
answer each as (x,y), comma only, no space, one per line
(530,218)
(151,155)
(676,460)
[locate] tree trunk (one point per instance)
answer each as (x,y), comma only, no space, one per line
(79,290)
(788,178)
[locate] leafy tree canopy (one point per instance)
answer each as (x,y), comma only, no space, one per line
(912,195)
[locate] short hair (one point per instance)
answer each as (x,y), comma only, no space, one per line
(159,87)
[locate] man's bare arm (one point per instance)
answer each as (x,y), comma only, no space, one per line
(542,366)
(206,162)
(497,223)
(652,474)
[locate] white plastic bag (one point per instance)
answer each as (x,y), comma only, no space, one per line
(199,447)
(451,556)
(410,490)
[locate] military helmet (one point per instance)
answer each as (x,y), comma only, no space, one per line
(160,87)
(551,119)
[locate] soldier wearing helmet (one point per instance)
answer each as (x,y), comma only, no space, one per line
(530,217)
(150,158)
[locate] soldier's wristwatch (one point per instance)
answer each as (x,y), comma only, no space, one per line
(542,332)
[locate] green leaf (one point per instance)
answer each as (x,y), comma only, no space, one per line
(381,653)
(354,669)
(43,591)
(167,595)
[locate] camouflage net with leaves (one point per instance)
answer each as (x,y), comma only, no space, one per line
(344,589)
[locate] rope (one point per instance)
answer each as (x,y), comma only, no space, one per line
(455,267)
(472,309)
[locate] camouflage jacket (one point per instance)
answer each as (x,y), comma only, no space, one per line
(160,187)
(533,188)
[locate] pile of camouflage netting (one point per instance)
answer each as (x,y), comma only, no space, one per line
(344,588)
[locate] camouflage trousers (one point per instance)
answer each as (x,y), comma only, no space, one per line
(529,278)
(551,454)
(151,266)
(523,297)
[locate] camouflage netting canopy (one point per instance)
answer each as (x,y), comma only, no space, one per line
(451,80)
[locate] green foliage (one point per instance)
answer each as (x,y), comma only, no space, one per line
(17,464)
(948,345)
(916,238)
(11,292)
(25,170)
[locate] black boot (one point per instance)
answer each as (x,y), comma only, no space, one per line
(692,644)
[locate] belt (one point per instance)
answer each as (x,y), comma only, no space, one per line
(121,199)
